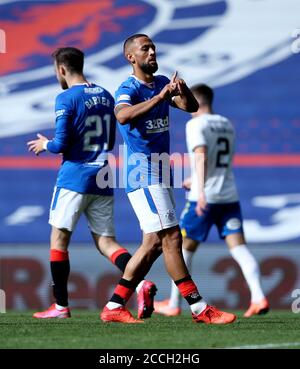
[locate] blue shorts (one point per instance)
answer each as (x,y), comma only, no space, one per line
(227,217)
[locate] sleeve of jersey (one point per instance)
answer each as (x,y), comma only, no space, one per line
(195,136)
(124,95)
(63,116)
(165,80)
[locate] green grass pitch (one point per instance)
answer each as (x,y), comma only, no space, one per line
(278,329)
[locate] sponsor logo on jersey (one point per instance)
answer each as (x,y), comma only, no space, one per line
(157,125)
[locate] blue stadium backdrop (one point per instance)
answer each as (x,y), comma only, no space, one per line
(247,50)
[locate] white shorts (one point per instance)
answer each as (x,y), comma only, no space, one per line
(155,208)
(67,207)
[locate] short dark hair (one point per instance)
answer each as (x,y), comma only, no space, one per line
(71,57)
(129,40)
(205,92)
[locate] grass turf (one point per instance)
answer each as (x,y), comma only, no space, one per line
(278,329)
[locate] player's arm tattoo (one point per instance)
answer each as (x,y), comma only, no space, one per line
(119,107)
(117,110)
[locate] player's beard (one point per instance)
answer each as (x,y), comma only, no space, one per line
(149,68)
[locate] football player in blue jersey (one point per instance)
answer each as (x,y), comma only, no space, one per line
(142,110)
(85,132)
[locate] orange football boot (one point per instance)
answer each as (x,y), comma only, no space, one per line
(163,308)
(211,315)
(118,315)
(258,309)
(52,312)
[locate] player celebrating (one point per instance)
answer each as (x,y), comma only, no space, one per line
(85,132)
(213,199)
(142,109)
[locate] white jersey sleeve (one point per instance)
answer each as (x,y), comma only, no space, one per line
(195,135)
(217,134)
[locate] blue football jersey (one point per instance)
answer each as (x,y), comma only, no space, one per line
(85,132)
(146,139)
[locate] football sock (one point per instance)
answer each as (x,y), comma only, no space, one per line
(120,258)
(58,307)
(60,270)
(189,291)
(122,294)
(175,297)
(250,269)
(198,307)
(113,305)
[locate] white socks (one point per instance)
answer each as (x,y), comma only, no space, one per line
(175,297)
(198,307)
(112,305)
(250,270)
(59,307)
(248,265)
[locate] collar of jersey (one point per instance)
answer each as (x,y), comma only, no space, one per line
(150,85)
(88,84)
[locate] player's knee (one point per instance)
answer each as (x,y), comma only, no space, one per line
(107,245)
(173,239)
(60,239)
(189,244)
(153,243)
(105,242)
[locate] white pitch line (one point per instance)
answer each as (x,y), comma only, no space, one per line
(266,346)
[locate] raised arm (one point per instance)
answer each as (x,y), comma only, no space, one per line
(184,98)
(125,112)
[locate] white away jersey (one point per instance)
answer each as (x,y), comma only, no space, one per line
(217,134)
